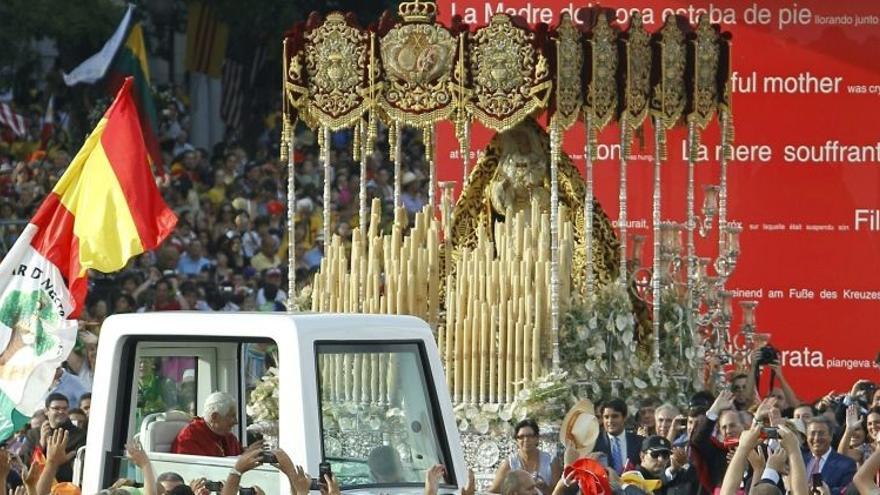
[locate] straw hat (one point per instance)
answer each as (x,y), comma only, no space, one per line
(637,479)
(580,427)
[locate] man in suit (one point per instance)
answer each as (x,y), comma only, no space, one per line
(837,470)
(708,453)
(622,447)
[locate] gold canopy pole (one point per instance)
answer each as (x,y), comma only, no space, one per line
(588,201)
(288,148)
(555,151)
(655,219)
(691,223)
(429,137)
(368,136)
(328,175)
(462,127)
(621,218)
(394,140)
(291,220)
(722,188)
(362,194)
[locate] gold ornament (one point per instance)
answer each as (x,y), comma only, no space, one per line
(705,89)
(336,68)
(601,93)
(417,61)
(569,67)
(638,80)
(669,97)
(510,78)
(725,104)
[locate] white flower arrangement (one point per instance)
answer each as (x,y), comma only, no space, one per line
(263,403)
(302,301)
(545,400)
(598,348)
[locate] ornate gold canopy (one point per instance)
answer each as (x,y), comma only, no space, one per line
(419,72)
(416,59)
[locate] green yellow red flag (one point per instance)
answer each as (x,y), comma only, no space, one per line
(105,209)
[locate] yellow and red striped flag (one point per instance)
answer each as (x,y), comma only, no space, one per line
(105,209)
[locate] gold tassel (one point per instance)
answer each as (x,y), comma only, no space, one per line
(626,145)
(392,139)
(428,143)
(661,144)
(356,141)
(694,151)
(593,139)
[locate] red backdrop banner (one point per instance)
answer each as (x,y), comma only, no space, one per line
(804,184)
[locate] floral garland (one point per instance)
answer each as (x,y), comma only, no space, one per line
(678,349)
(545,400)
(599,350)
(263,403)
(302,302)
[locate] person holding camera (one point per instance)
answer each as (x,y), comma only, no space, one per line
(750,449)
(863,395)
(300,481)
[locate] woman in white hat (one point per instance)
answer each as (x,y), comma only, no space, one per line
(539,464)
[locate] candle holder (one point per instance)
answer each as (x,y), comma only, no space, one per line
(710,209)
(748,316)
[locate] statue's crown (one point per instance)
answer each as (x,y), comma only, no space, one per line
(417,11)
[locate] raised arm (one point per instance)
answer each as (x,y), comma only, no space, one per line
(500,473)
(56,456)
(246,461)
(136,453)
(852,423)
(790,396)
(797,470)
(300,481)
(748,440)
(864,478)
(703,431)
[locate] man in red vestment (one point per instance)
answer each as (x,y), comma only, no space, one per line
(212,434)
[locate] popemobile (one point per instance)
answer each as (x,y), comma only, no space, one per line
(346,386)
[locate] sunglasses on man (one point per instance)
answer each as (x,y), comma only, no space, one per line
(657,454)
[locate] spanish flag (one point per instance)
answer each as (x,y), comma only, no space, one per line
(105,209)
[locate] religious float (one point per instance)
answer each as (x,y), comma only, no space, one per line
(534,296)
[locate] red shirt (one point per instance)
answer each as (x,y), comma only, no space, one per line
(197,439)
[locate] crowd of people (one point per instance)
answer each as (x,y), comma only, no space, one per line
(229,250)
(730,444)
